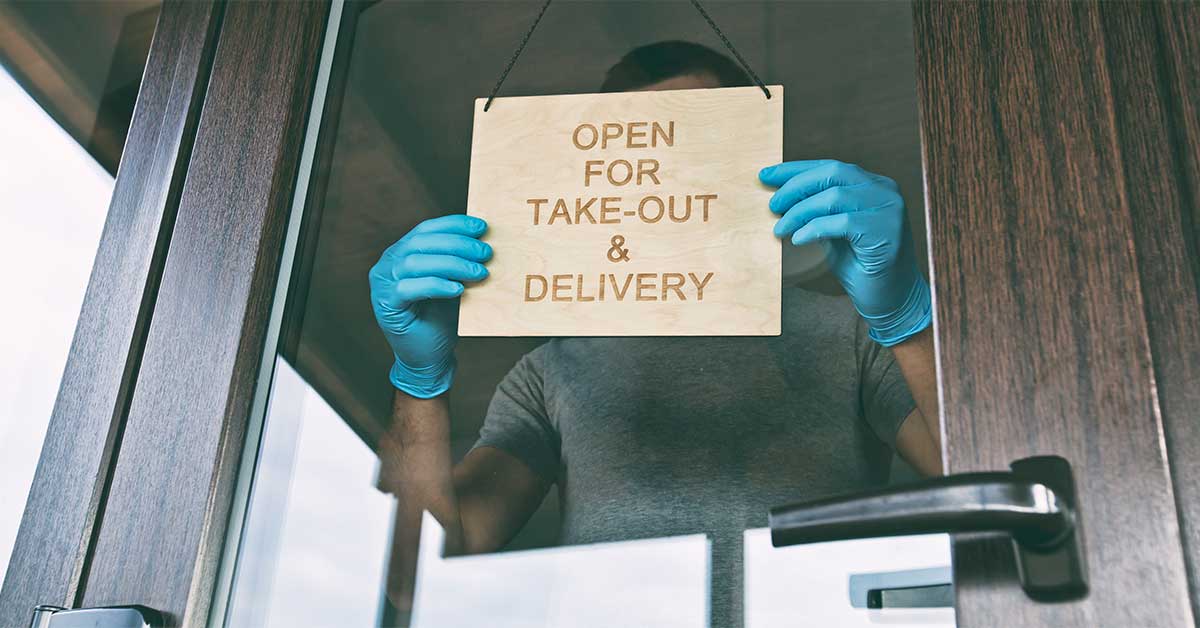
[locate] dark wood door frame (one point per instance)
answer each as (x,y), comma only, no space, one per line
(52,551)
(174,480)
(132,495)
(1168,246)
(1055,140)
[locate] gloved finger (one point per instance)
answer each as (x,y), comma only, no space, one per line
(779,174)
(462,246)
(817,180)
(828,202)
(444,266)
(887,182)
(837,226)
(461,224)
(415,289)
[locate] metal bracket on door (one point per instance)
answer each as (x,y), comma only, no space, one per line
(46,616)
(913,588)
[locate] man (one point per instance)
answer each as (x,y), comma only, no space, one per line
(652,437)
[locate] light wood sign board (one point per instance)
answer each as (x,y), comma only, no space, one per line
(627,214)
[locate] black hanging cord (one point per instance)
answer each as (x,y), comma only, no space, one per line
(729,45)
(725,40)
(511,62)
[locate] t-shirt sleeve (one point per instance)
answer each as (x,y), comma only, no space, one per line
(884,396)
(517,421)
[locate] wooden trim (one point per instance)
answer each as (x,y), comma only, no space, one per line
(174,480)
(1046,183)
(1168,245)
(291,292)
(50,555)
(314,204)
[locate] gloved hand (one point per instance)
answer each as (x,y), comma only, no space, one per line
(414,291)
(859,219)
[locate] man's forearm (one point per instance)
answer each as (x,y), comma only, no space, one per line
(918,363)
(418,469)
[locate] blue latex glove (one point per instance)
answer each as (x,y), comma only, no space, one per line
(415,287)
(859,219)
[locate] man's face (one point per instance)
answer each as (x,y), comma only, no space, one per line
(701,80)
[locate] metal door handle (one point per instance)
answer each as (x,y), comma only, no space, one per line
(1034,503)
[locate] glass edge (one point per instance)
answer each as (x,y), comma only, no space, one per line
(231,552)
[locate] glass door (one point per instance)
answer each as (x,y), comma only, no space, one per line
(269,419)
(642,498)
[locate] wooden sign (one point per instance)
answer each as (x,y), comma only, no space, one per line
(627,214)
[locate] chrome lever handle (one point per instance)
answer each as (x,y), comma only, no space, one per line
(1034,503)
(971,502)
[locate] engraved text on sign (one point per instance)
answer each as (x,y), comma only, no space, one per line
(631,214)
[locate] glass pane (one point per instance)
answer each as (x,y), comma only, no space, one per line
(69,76)
(641,498)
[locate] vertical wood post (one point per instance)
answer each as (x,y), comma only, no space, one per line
(1050,200)
(173,484)
(51,553)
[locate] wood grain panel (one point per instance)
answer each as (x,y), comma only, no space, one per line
(173,482)
(1168,244)
(1042,330)
(1179,37)
(52,546)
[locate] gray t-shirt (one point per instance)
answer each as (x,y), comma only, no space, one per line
(653,437)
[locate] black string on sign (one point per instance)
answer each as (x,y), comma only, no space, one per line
(696,3)
(513,61)
(729,45)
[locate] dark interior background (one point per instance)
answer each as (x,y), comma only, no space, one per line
(402,151)
(82,61)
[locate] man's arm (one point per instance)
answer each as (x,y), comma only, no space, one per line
(919,440)
(859,218)
(481,502)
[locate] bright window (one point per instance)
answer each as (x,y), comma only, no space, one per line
(53,201)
